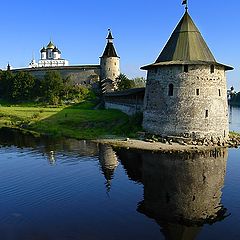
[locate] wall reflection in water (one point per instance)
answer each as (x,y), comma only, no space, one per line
(181,192)
(108,161)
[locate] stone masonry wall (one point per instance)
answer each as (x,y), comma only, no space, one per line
(198,107)
(129,109)
(110,67)
(82,75)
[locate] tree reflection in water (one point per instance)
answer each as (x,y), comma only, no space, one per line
(47,145)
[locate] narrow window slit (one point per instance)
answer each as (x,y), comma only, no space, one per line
(206,114)
(170,89)
(212,69)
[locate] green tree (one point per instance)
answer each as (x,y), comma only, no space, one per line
(52,87)
(78,93)
(6,85)
(235,99)
(139,82)
(123,82)
(22,86)
(73,92)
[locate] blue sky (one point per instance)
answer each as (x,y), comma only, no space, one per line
(141,29)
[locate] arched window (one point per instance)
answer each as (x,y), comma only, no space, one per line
(170,89)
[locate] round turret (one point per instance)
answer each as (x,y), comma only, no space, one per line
(186,100)
(110,62)
(186,88)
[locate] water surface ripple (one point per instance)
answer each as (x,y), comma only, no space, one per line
(72,189)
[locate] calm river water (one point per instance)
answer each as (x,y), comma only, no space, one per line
(80,190)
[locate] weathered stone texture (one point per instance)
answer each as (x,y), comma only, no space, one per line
(83,75)
(128,101)
(129,109)
(110,67)
(198,107)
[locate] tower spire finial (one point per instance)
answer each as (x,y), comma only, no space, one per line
(185,2)
(110,37)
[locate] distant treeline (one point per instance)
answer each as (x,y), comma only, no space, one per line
(235,99)
(123,82)
(52,89)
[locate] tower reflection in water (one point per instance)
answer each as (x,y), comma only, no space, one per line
(108,161)
(182,192)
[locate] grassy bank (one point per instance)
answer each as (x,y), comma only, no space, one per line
(79,121)
(234,134)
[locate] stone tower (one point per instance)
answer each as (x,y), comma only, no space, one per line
(110,65)
(186,93)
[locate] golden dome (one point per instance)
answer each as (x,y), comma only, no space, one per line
(50,45)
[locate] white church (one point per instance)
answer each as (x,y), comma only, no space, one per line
(50,57)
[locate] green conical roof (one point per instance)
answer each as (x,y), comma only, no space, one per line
(185,46)
(186,43)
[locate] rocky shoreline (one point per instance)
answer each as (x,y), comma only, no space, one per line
(155,143)
(233,141)
(173,144)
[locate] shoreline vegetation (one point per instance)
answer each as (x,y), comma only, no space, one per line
(79,121)
(83,121)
